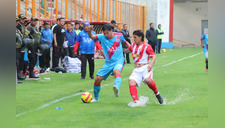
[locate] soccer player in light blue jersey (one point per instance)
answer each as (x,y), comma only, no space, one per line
(204,43)
(112,49)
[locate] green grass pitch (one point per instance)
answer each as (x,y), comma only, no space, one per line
(179,75)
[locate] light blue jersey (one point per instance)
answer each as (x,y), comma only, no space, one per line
(113,52)
(205,49)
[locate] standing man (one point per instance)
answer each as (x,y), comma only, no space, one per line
(143,71)
(32,50)
(81,27)
(151,35)
(113,25)
(70,39)
(47,38)
(126,35)
(18,51)
(59,38)
(87,50)
(112,48)
(159,38)
(204,43)
(21,28)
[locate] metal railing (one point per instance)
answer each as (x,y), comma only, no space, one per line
(92,10)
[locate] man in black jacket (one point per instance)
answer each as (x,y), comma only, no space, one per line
(151,35)
(126,35)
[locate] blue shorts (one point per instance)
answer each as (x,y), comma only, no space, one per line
(108,68)
(206,53)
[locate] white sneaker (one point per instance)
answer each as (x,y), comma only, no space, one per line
(116,91)
(47,70)
(141,103)
(94,100)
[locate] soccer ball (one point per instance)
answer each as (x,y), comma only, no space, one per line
(163,50)
(86,97)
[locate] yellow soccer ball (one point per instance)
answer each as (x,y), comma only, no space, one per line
(86,97)
(163,50)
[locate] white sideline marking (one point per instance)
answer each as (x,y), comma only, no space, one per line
(63,98)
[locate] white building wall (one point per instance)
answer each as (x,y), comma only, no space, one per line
(187,20)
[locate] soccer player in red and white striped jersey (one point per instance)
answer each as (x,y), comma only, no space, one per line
(142,52)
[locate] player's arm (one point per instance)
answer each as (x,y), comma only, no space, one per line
(151,54)
(126,44)
(92,36)
(202,41)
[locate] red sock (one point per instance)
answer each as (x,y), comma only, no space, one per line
(153,87)
(133,92)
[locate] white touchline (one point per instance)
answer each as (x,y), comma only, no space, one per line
(63,98)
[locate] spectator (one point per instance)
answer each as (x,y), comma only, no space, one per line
(87,49)
(159,38)
(81,26)
(24,34)
(77,30)
(32,50)
(151,35)
(113,24)
(59,38)
(126,35)
(70,40)
(47,37)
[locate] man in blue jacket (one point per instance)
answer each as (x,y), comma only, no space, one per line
(70,40)
(87,49)
(47,37)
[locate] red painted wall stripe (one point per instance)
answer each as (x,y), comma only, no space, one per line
(171,21)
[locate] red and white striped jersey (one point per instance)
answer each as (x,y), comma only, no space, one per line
(141,52)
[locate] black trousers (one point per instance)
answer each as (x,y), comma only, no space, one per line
(127,57)
(56,54)
(32,56)
(159,42)
(69,51)
(84,58)
(18,53)
(44,60)
(153,47)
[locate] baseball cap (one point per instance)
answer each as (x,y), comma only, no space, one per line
(86,24)
(34,18)
(113,21)
(45,23)
(17,19)
(21,16)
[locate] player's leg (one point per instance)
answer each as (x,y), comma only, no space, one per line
(206,59)
(133,89)
(83,65)
(97,87)
(117,82)
(151,84)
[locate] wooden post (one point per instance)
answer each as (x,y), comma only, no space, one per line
(116,10)
(83,9)
(33,7)
(103,10)
(75,9)
(98,12)
(45,8)
(91,10)
(66,9)
(18,7)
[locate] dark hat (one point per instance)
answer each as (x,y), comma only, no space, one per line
(17,19)
(34,18)
(77,23)
(86,24)
(45,23)
(113,21)
(21,16)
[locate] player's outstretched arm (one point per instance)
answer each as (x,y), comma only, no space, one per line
(126,44)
